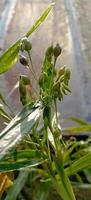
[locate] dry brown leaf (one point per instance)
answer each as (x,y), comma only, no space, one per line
(5,182)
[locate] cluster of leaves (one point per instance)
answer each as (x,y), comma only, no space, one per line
(33,151)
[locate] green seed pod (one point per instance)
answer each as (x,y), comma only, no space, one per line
(56,90)
(49,50)
(23,60)
(26,44)
(67,73)
(49,53)
(56,87)
(66,76)
(25,79)
(43,79)
(61,71)
(57,50)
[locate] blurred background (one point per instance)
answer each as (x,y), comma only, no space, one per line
(69,24)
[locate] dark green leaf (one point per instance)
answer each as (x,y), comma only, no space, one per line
(6,166)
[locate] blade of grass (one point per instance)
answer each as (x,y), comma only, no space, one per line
(78,120)
(80,164)
(67,192)
(19,183)
(78,129)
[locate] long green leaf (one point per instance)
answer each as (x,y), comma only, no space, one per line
(21,159)
(6,166)
(18,128)
(67,192)
(19,183)
(78,129)
(78,120)
(40,20)
(9,58)
(82,163)
(24,154)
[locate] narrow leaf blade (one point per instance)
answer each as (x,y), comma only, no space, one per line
(9,58)
(67,192)
(14,191)
(40,20)
(82,163)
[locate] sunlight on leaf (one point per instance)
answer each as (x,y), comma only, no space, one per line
(18,128)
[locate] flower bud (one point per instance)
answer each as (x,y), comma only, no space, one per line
(67,73)
(56,89)
(25,44)
(57,50)
(61,71)
(43,79)
(49,53)
(66,76)
(23,60)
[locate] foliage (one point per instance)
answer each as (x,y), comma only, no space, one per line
(33,150)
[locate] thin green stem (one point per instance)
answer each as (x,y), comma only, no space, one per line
(55,103)
(48,146)
(32,71)
(55,59)
(32,67)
